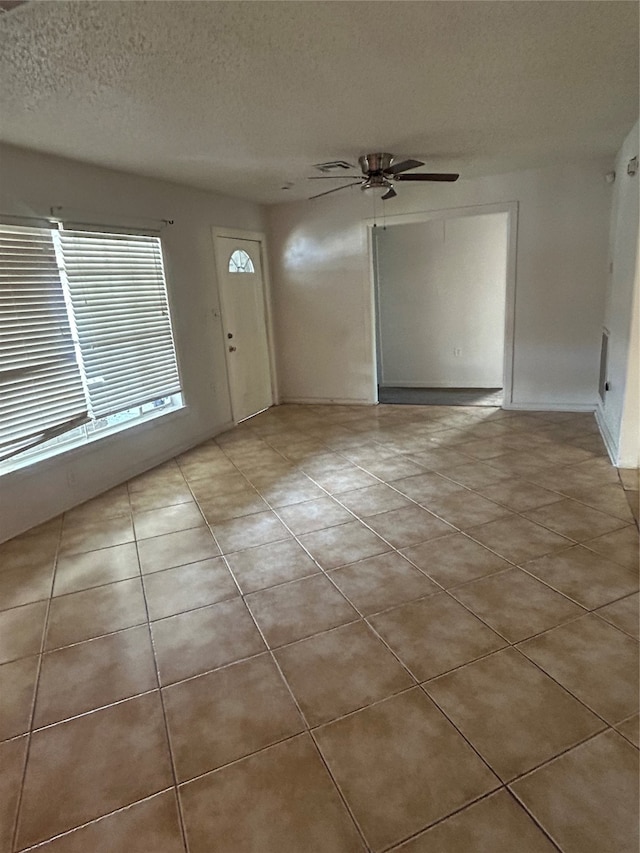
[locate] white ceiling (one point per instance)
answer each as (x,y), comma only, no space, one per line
(241,97)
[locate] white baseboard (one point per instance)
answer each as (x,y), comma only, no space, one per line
(326,401)
(220,429)
(609,441)
(523,407)
(440,386)
(550,407)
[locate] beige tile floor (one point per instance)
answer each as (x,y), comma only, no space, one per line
(333,629)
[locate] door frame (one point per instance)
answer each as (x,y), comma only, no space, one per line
(508,207)
(260,238)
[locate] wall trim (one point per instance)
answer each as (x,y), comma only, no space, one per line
(394,384)
(607,436)
(550,407)
(519,407)
(326,401)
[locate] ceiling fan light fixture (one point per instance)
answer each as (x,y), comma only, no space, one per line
(377,191)
(376,185)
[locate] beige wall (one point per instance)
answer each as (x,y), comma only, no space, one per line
(31,184)
(322,297)
(323,285)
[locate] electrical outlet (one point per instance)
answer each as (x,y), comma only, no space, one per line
(457,352)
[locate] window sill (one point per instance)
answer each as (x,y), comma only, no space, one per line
(53,457)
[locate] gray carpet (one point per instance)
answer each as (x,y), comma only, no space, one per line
(441,396)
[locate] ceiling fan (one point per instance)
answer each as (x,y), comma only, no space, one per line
(379,172)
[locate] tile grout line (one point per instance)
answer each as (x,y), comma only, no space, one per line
(457,811)
(68,832)
(167,736)
(340,793)
(606,727)
(34,702)
(566,689)
(535,819)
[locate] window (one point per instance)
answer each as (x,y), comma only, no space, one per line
(240,262)
(86,342)
(41,389)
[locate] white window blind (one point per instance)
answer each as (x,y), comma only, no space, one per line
(121,317)
(41,389)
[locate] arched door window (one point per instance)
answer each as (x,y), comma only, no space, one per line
(240,262)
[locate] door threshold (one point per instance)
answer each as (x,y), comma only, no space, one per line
(254,415)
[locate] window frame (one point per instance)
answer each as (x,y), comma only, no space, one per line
(24,462)
(240,270)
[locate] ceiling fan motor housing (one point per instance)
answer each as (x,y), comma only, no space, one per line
(375,163)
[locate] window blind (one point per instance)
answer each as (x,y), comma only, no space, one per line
(41,389)
(121,317)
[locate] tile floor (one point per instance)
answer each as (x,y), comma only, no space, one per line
(333,629)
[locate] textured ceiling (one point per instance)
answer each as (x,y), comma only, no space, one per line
(241,97)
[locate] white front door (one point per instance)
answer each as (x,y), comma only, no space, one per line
(244,326)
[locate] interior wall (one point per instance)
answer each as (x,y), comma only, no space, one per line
(321,292)
(31,184)
(322,283)
(441,288)
(618,414)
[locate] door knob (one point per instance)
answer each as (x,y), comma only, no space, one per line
(232,349)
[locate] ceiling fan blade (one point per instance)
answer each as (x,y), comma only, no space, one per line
(332,177)
(428,176)
(335,189)
(390,193)
(396,168)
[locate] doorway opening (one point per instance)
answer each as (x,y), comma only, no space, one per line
(444,285)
